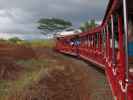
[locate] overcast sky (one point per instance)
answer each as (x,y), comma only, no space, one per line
(20,16)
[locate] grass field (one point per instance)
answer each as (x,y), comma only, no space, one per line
(34,71)
(43,43)
(31,69)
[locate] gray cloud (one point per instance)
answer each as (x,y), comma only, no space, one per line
(20,16)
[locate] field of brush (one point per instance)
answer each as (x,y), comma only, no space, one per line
(32,70)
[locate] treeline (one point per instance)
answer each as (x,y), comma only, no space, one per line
(86,26)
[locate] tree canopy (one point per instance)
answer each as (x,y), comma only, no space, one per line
(47,25)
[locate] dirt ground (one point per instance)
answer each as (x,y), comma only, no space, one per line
(28,73)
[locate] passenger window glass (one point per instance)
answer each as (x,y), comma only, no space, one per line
(103,40)
(115,19)
(110,33)
(96,40)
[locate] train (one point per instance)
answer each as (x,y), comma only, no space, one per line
(109,46)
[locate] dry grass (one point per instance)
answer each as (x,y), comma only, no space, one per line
(52,76)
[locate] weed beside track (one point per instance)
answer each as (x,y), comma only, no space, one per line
(40,73)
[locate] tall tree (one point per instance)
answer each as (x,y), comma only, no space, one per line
(47,25)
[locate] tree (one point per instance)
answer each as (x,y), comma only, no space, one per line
(47,25)
(14,39)
(93,23)
(88,25)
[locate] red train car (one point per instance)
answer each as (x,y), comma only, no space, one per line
(110,46)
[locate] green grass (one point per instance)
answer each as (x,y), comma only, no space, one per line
(50,43)
(33,71)
(43,43)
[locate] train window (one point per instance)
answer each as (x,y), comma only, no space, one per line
(88,41)
(103,39)
(77,42)
(71,42)
(81,39)
(84,41)
(96,39)
(109,29)
(114,31)
(115,22)
(110,33)
(91,41)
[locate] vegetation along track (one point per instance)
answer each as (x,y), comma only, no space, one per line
(44,74)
